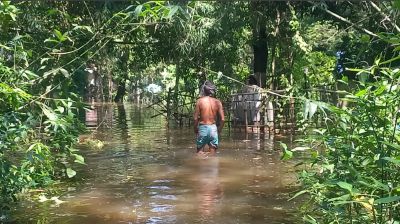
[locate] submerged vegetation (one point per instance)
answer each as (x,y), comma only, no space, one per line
(56,56)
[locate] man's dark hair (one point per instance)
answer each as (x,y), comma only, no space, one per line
(252,80)
(208,89)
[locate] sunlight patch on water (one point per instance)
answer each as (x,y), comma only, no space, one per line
(148,174)
(166,197)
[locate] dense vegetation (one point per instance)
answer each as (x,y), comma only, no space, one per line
(55,55)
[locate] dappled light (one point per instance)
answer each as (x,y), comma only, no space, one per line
(199,111)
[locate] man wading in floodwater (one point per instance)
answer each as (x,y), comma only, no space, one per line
(205,119)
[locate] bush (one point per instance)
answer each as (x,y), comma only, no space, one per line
(352,175)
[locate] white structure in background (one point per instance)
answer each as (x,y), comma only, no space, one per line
(252,106)
(91,77)
(153,88)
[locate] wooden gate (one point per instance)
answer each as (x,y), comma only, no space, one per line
(262,111)
(272,112)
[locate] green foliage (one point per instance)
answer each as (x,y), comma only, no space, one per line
(42,61)
(324,36)
(314,69)
(35,141)
(47,49)
(352,174)
(8,14)
(38,128)
(396,4)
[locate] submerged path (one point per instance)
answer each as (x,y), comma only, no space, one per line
(146,173)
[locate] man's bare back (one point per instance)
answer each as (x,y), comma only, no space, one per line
(206,112)
(205,120)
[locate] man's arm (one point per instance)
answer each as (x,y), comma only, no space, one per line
(196,117)
(221,116)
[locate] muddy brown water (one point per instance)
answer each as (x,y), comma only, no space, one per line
(146,173)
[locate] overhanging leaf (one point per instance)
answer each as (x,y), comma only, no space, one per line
(172,11)
(298,194)
(138,10)
(51,72)
(395,161)
(343,198)
(43,60)
(345,185)
(79,159)
(387,200)
(59,35)
(49,113)
(70,172)
(287,154)
(64,72)
(313,109)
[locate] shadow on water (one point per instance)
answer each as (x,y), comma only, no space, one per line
(148,174)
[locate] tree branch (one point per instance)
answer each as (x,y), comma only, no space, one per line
(385,16)
(349,22)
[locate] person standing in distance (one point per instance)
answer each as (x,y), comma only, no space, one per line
(208,111)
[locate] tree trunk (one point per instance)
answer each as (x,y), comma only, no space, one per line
(107,84)
(99,85)
(273,65)
(260,45)
(275,44)
(120,91)
(175,100)
(110,87)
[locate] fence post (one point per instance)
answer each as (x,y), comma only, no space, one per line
(263,113)
(246,123)
(168,106)
(292,114)
(270,115)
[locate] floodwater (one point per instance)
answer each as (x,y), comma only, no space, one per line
(146,173)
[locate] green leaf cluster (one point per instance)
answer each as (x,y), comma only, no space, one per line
(352,172)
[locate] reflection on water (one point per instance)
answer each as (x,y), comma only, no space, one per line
(149,174)
(209,190)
